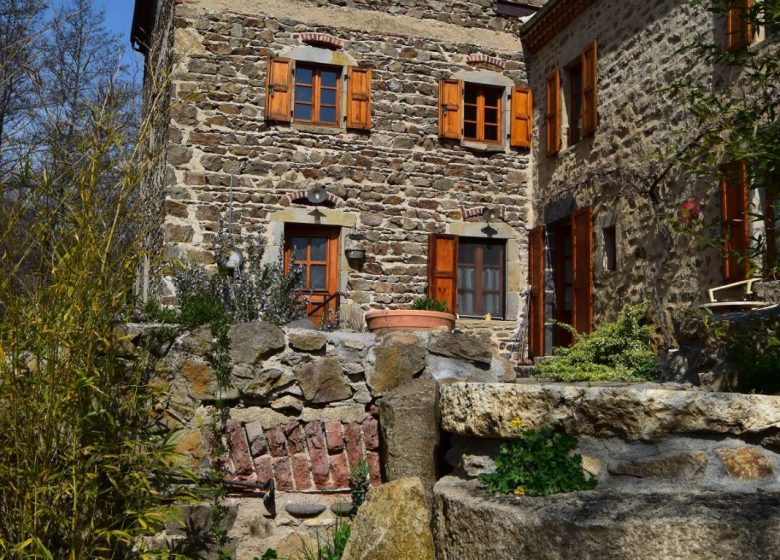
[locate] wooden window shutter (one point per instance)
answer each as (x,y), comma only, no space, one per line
(553,114)
(279,89)
(736,224)
(359,98)
(739,31)
(590,76)
(522,111)
(536,311)
(450,109)
(582,260)
(443,269)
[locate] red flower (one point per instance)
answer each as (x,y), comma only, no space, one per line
(690,211)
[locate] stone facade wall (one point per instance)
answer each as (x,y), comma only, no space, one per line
(302,408)
(397,184)
(637,57)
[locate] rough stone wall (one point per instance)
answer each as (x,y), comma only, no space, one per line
(302,407)
(398,183)
(637,46)
(156,104)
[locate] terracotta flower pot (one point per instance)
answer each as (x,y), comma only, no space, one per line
(409,320)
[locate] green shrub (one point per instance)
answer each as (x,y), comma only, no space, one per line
(428,304)
(617,351)
(753,348)
(538,463)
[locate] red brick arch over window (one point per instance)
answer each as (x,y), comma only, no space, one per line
(299,196)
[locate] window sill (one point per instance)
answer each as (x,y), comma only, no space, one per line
(318,129)
(482,147)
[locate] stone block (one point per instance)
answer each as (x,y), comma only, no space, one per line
(745,463)
(264,467)
(277,442)
(296,440)
(371,433)
(283,474)
(250,343)
(604,524)
(323,381)
(466,346)
(410,431)
(334,437)
(354,446)
(398,358)
(310,341)
(684,466)
(392,523)
(239,449)
(301,472)
(339,470)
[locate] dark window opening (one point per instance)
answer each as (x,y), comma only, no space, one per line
(481,278)
(482,113)
(317,95)
(610,248)
(574,72)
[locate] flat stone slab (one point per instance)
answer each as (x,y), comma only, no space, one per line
(631,412)
(469,524)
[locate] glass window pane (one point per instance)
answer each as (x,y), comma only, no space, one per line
(492,98)
(567,299)
(470,112)
(328,114)
(470,130)
(492,255)
(466,303)
(491,279)
(466,277)
(303,75)
(491,303)
(319,248)
(491,116)
(303,93)
(329,78)
(302,112)
(318,277)
(466,253)
(491,132)
(471,95)
(328,97)
(298,245)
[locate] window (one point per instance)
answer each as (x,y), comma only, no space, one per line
(575,102)
(481,278)
(610,248)
(314,94)
(315,249)
(317,93)
(482,113)
(475,112)
(739,31)
(469,274)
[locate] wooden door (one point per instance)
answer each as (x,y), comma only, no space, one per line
(315,249)
(582,260)
(536,311)
(563,277)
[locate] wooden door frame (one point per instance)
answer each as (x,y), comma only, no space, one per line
(332,233)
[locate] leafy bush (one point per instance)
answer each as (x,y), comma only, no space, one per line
(428,304)
(617,351)
(538,463)
(753,348)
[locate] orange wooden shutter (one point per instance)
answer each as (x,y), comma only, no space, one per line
(739,31)
(359,98)
(589,89)
(736,224)
(553,115)
(536,312)
(443,269)
(582,259)
(450,109)
(522,111)
(278,91)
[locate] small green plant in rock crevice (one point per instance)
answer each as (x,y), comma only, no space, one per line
(359,483)
(330,547)
(618,351)
(537,463)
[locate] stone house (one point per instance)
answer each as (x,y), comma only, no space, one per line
(274,104)
(602,206)
(407,129)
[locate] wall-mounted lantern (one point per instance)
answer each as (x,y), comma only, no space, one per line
(353,249)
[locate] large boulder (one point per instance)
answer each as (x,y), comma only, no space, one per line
(323,381)
(400,356)
(465,346)
(393,523)
(604,524)
(410,431)
(251,343)
(632,412)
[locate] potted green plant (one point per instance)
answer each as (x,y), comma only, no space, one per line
(426,314)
